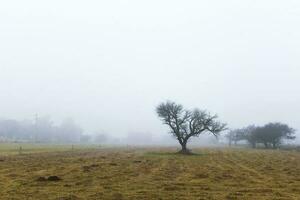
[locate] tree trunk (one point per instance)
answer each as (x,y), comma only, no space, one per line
(184,149)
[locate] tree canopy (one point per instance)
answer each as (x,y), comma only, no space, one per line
(270,135)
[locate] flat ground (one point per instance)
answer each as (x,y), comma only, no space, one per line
(126,173)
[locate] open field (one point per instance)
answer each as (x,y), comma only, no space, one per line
(7,149)
(124,173)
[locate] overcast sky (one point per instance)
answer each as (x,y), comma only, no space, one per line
(108,64)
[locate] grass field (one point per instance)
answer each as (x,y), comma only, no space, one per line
(124,173)
(28,148)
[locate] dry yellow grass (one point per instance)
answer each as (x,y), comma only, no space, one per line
(152,174)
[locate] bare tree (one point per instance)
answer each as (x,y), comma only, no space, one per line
(235,136)
(185,124)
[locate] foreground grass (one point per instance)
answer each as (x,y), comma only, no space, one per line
(152,174)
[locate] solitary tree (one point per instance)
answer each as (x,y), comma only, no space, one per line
(185,124)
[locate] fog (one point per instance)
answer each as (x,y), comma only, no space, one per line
(108,64)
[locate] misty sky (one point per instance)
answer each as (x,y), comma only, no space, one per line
(108,64)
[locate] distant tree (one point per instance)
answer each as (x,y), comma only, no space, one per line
(250,135)
(235,135)
(10,129)
(230,137)
(270,135)
(260,136)
(273,133)
(69,131)
(43,129)
(85,138)
(138,138)
(100,138)
(185,124)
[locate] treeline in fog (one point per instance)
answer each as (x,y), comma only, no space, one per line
(270,135)
(41,130)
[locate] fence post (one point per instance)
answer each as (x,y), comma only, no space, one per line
(20,150)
